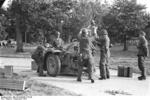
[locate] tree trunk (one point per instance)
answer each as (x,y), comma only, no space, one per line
(125,43)
(18,35)
(69,38)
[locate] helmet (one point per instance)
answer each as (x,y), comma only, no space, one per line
(104,32)
(40,48)
(142,33)
(85,31)
(57,33)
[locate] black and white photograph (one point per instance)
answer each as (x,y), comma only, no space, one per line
(77,48)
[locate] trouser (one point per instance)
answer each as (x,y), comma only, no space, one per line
(86,63)
(103,66)
(40,68)
(141,65)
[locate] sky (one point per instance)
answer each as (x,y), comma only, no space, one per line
(145,2)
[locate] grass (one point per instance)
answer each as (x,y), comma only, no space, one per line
(126,58)
(33,88)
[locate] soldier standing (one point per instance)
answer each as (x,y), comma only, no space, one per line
(104,43)
(38,57)
(93,29)
(93,34)
(143,52)
(86,58)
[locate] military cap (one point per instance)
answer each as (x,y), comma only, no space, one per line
(40,48)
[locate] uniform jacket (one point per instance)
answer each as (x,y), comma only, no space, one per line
(143,47)
(86,46)
(104,44)
(93,31)
(38,54)
(58,43)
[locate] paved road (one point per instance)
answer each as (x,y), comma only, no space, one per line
(115,85)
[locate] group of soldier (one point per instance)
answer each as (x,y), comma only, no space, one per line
(88,39)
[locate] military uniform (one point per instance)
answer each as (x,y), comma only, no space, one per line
(38,56)
(86,58)
(143,52)
(93,34)
(104,55)
(58,43)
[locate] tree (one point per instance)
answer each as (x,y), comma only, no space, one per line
(4,22)
(43,17)
(1,3)
(124,19)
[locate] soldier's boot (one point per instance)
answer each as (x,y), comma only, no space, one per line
(92,81)
(102,78)
(42,74)
(142,78)
(79,76)
(143,73)
(79,80)
(38,70)
(80,70)
(41,71)
(103,75)
(91,76)
(108,76)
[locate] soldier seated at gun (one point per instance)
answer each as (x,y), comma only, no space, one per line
(86,58)
(58,42)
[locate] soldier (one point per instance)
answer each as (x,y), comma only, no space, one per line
(104,43)
(93,34)
(38,57)
(93,29)
(58,42)
(143,52)
(86,58)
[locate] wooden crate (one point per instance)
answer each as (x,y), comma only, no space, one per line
(34,66)
(1,73)
(12,84)
(8,71)
(125,71)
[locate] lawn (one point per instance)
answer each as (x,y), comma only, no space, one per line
(33,88)
(126,58)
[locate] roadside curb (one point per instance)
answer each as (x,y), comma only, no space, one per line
(14,56)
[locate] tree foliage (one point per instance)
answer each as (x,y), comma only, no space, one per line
(36,20)
(124,19)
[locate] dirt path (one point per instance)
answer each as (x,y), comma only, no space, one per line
(113,86)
